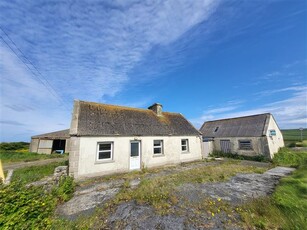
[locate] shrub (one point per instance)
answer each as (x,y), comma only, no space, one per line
(8,146)
(286,157)
(260,158)
(25,208)
(66,189)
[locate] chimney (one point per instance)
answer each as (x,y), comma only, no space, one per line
(157,108)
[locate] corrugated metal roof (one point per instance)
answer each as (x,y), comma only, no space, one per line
(249,126)
(62,134)
(96,119)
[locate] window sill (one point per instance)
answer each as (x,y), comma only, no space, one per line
(158,155)
(186,152)
(104,161)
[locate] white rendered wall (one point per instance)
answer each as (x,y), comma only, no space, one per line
(207,148)
(275,142)
(89,166)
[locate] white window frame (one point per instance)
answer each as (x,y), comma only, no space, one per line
(248,148)
(100,151)
(158,147)
(186,145)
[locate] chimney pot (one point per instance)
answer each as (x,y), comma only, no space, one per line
(157,108)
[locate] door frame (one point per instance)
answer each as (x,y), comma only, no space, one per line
(140,153)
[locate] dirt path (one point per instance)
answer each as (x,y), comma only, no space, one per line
(14,166)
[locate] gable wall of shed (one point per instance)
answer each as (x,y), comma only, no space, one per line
(34,145)
(275,142)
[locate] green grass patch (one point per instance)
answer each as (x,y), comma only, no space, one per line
(286,209)
(23,156)
(294,134)
(35,173)
(290,158)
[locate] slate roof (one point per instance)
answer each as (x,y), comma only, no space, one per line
(62,134)
(95,119)
(249,126)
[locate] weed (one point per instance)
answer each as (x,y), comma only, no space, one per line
(65,190)
(260,158)
(24,156)
(286,157)
(34,173)
(287,208)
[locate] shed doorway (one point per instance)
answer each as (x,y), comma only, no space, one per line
(58,145)
(225,146)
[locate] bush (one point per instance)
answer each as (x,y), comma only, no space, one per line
(8,146)
(66,189)
(286,157)
(25,208)
(31,207)
(260,158)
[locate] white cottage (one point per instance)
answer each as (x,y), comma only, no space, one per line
(251,136)
(107,139)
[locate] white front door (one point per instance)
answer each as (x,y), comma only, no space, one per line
(135,155)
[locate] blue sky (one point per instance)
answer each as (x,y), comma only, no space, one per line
(205,59)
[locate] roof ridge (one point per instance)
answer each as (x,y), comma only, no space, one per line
(233,118)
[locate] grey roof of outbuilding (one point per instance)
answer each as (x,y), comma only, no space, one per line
(249,126)
(95,119)
(62,134)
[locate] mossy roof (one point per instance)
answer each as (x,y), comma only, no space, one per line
(248,126)
(95,119)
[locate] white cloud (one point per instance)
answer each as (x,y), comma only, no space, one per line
(289,113)
(86,51)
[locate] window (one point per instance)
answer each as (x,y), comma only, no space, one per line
(105,151)
(158,147)
(272,132)
(245,145)
(216,129)
(184,145)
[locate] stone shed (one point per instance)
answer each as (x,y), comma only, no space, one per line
(250,136)
(51,142)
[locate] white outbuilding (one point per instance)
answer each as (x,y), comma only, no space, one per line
(250,136)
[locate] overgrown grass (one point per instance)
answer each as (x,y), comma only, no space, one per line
(160,191)
(287,208)
(260,158)
(287,157)
(31,207)
(34,173)
(23,156)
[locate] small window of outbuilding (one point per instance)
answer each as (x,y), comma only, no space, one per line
(245,145)
(216,129)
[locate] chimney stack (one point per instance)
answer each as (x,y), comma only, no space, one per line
(157,108)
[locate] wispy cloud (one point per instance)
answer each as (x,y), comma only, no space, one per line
(97,45)
(85,51)
(289,113)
